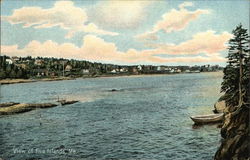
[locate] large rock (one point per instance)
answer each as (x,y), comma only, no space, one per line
(219,107)
(235,133)
(24,107)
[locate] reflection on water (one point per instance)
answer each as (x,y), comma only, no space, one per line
(146,118)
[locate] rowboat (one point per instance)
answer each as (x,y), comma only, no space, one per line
(209,118)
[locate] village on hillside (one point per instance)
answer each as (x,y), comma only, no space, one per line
(28,67)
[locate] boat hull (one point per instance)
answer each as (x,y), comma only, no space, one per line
(203,119)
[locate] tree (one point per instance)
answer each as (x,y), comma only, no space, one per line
(236,78)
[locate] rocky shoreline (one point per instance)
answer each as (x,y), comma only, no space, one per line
(14,108)
(11,108)
(234,133)
(13,81)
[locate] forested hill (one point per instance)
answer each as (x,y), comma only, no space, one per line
(29,67)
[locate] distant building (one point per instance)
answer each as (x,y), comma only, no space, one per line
(38,62)
(167,69)
(9,61)
(123,70)
(178,71)
(52,74)
(172,71)
(139,67)
(23,66)
(68,68)
(15,58)
(41,72)
(135,70)
(113,71)
(85,71)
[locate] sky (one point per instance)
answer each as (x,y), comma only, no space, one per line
(122,31)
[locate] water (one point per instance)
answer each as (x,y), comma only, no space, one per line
(146,119)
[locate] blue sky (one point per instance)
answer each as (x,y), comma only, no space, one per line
(122,32)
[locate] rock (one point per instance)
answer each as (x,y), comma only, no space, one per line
(235,133)
(24,107)
(219,107)
(8,104)
(65,102)
(61,147)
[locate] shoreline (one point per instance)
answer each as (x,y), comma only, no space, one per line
(15,81)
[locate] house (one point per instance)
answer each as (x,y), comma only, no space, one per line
(68,68)
(123,70)
(167,69)
(172,71)
(41,72)
(135,70)
(85,71)
(139,68)
(15,58)
(38,62)
(9,61)
(52,74)
(177,71)
(113,71)
(23,66)
(158,68)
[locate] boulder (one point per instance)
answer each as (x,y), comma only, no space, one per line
(219,107)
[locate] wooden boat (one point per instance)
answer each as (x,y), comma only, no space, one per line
(209,118)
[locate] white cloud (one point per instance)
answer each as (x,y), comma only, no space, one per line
(204,42)
(63,14)
(97,49)
(120,14)
(175,20)
(185,4)
(147,36)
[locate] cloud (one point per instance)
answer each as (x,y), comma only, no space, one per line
(63,14)
(204,42)
(175,20)
(120,14)
(185,4)
(96,49)
(147,36)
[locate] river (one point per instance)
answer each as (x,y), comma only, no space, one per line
(147,118)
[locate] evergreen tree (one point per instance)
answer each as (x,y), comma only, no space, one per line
(236,80)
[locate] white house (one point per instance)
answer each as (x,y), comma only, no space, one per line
(123,70)
(68,68)
(178,71)
(9,61)
(139,67)
(113,71)
(38,62)
(158,68)
(85,71)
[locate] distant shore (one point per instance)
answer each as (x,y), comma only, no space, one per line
(14,81)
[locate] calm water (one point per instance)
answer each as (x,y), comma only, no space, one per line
(147,119)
